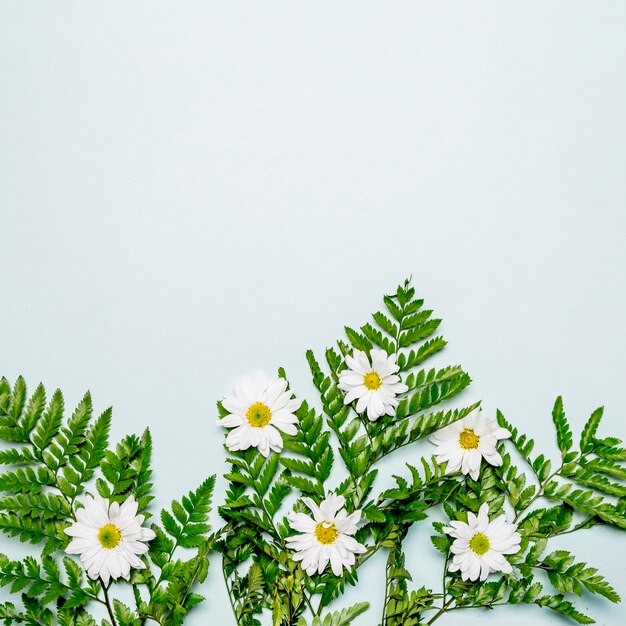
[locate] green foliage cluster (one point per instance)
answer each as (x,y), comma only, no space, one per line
(340,451)
(50,463)
(546,502)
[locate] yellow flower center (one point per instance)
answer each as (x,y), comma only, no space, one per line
(109,536)
(326,533)
(258,415)
(479,544)
(372,381)
(469,439)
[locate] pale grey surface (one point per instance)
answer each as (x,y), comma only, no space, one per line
(192,191)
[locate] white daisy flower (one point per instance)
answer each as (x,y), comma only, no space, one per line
(479,545)
(259,409)
(325,538)
(374,385)
(465,442)
(109,537)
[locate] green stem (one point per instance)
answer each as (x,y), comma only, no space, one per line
(444,592)
(477,606)
(581,526)
(444,586)
(319,607)
(383,618)
(445,607)
(160,579)
(542,486)
(228,589)
(369,554)
(539,493)
(307,599)
(108,603)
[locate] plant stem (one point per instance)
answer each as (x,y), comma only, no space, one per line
(539,493)
(445,607)
(230,596)
(308,603)
(369,554)
(478,606)
(160,579)
(444,587)
(319,607)
(108,602)
(542,485)
(581,526)
(444,590)
(383,618)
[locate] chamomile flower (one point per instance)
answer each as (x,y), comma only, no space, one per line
(374,384)
(258,411)
(109,538)
(480,545)
(326,537)
(467,441)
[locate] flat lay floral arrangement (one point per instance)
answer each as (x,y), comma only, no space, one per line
(303,511)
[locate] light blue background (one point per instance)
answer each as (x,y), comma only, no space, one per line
(190,191)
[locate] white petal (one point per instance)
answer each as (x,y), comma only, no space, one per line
(230,421)
(331,505)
